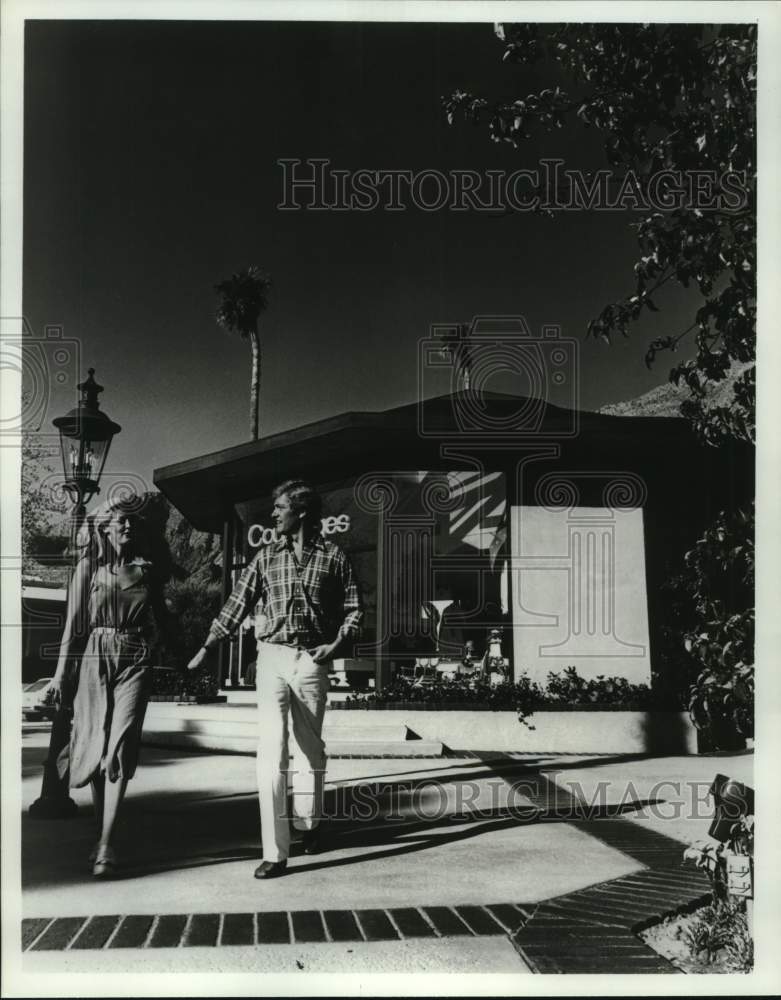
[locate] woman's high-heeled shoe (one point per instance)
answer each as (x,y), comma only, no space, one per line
(105,864)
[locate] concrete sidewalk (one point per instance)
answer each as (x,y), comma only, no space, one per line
(459,851)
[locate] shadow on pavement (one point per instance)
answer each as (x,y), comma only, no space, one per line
(175,830)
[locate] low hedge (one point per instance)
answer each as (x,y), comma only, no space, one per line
(565,691)
(169,683)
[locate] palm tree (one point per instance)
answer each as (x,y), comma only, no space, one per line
(243,297)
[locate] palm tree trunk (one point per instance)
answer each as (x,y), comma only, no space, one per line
(255,386)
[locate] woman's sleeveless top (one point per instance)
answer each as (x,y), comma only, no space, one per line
(121,598)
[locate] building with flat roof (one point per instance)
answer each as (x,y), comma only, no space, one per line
(560,527)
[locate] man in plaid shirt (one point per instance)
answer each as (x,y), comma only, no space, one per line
(303,593)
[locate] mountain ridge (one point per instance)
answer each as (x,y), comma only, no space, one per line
(665,400)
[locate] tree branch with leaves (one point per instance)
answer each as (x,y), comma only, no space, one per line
(677,97)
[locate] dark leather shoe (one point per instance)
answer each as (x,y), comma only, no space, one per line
(310,841)
(270,869)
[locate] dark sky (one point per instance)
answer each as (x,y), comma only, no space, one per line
(150,174)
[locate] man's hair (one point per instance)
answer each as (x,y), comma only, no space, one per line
(303,499)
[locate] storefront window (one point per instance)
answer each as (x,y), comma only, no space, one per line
(432,564)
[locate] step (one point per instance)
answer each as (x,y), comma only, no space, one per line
(373,748)
(248,696)
(241,696)
(241,719)
(334,748)
(199,741)
(242,729)
(233,728)
(397,732)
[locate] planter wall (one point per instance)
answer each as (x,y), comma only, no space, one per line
(554,731)
(189,699)
(233,728)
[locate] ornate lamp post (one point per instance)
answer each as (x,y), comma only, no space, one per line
(85,438)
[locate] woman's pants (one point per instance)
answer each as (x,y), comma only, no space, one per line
(290,685)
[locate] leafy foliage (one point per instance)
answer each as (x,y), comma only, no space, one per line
(41,501)
(667,97)
(711,857)
(706,651)
(179,683)
(719,933)
(673,97)
(242,299)
(193,596)
(570,688)
(192,605)
(201,683)
(522,696)
(720,584)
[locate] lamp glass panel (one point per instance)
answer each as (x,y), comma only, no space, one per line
(83,459)
(93,456)
(101,453)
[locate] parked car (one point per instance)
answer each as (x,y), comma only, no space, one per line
(34,707)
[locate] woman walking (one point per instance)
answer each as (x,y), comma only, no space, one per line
(115,596)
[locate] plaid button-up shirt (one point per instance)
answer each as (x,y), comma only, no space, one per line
(302,604)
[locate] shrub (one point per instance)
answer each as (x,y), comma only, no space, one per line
(200,683)
(166,681)
(522,696)
(192,604)
(719,933)
(720,583)
(570,688)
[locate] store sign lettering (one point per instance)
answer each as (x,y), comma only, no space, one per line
(257,535)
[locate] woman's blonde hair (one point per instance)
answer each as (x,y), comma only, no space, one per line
(91,537)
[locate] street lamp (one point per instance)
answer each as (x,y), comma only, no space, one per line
(85,438)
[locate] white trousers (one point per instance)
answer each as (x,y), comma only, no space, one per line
(290,685)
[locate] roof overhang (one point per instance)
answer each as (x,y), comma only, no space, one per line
(409,437)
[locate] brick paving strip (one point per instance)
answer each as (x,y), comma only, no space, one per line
(279,927)
(595,929)
(592,930)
